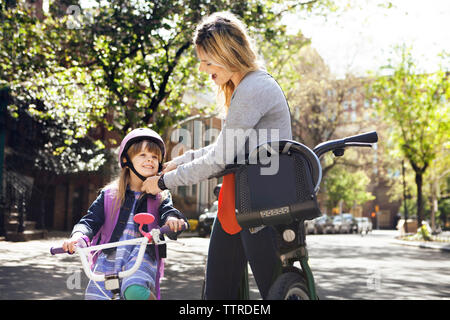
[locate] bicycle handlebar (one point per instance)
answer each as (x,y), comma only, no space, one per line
(360,140)
(60,250)
(83,250)
(367,137)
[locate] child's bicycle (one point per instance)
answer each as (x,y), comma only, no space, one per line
(289,200)
(112,281)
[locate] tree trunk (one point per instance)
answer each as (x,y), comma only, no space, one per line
(434,204)
(419,183)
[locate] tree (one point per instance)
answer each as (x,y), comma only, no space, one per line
(320,104)
(417,107)
(437,176)
(350,187)
(120,64)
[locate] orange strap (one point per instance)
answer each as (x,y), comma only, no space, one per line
(226,212)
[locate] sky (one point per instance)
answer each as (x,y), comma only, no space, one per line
(361,38)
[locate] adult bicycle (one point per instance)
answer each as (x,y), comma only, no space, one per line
(286,205)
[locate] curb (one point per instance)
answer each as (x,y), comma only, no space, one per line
(423,245)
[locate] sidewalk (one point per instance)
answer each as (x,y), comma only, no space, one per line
(437,245)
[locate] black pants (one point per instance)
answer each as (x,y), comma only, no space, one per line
(228,256)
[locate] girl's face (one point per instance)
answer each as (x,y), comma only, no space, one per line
(145,162)
(219,74)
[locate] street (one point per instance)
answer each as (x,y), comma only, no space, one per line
(371,268)
(349,267)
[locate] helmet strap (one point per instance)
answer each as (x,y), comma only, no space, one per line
(129,164)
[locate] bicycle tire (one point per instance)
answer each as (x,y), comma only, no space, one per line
(289,286)
(203,296)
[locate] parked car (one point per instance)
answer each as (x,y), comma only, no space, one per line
(324,224)
(352,221)
(364,225)
(341,225)
(310,227)
(206,219)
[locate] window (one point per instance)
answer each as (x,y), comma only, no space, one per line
(182,191)
(198,134)
(194,190)
(345,105)
(207,139)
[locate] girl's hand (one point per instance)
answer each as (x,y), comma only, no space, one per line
(150,185)
(69,245)
(175,224)
(169,166)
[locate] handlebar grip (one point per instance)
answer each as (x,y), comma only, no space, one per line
(57,250)
(368,137)
(166,229)
(83,241)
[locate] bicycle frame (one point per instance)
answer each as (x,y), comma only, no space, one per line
(300,253)
(337,147)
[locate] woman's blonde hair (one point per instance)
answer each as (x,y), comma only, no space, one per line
(119,185)
(224,39)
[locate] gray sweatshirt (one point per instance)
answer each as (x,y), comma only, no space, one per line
(258,113)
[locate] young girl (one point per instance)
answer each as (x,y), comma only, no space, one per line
(255,105)
(110,218)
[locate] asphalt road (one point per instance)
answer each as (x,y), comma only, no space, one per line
(347,267)
(373,267)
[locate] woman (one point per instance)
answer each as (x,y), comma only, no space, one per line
(257,112)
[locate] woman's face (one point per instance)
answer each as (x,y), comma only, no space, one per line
(219,74)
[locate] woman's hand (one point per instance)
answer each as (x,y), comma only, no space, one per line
(169,166)
(150,185)
(175,224)
(69,245)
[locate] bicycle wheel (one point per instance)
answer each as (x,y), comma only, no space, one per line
(289,286)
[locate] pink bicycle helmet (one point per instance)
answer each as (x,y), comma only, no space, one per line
(134,136)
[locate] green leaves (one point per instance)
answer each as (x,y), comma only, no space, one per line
(347,186)
(117,65)
(416,105)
